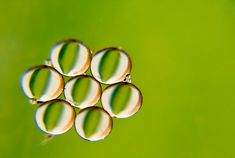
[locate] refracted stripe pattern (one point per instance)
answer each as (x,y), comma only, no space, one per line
(82,91)
(110,65)
(70,57)
(93,123)
(55,117)
(42,83)
(121,100)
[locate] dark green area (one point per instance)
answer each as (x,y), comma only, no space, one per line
(108,64)
(40,81)
(91,122)
(119,99)
(68,56)
(53,115)
(81,89)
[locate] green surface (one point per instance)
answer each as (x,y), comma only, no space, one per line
(183,55)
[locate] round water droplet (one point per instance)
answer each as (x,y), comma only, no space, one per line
(93,123)
(121,100)
(82,91)
(110,65)
(55,117)
(42,83)
(70,57)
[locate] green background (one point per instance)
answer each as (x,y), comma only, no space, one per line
(183,55)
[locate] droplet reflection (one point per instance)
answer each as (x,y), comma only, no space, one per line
(70,57)
(110,65)
(42,83)
(93,124)
(82,91)
(121,100)
(55,117)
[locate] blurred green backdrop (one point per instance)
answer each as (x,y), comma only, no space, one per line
(183,55)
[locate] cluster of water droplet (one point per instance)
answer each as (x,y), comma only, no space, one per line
(70,61)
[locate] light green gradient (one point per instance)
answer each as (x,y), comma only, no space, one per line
(183,55)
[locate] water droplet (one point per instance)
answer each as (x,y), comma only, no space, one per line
(82,91)
(70,57)
(93,123)
(55,117)
(127,78)
(48,62)
(121,100)
(42,83)
(110,65)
